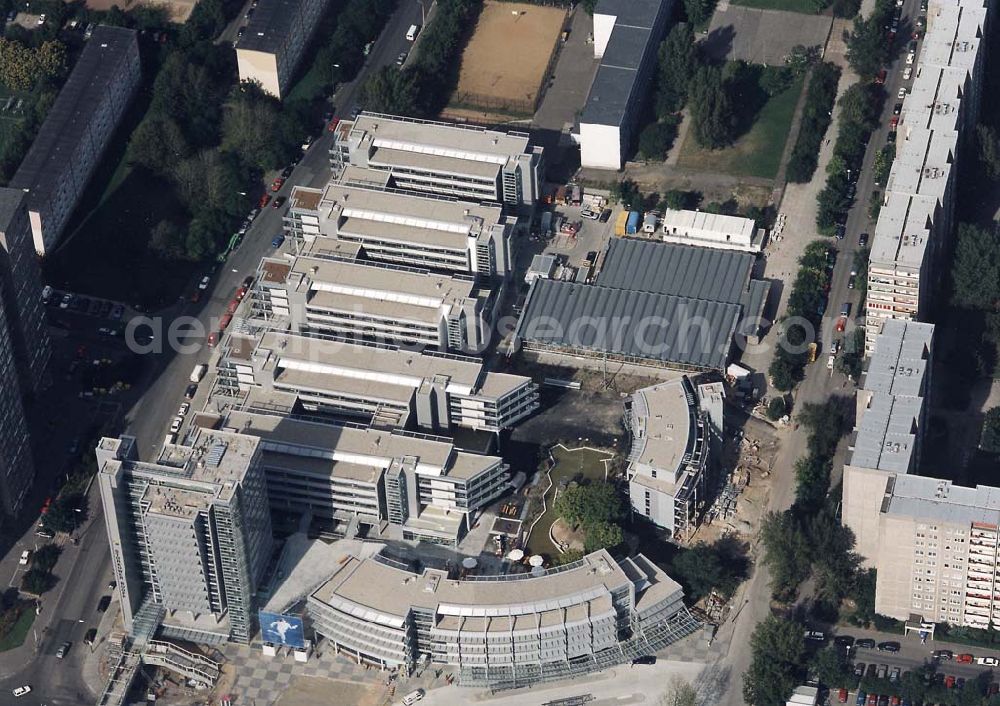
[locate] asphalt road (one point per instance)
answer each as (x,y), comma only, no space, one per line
(819,382)
(85,569)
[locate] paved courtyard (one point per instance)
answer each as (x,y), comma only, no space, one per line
(762,36)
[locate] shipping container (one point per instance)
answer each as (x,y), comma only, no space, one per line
(632,225)
(546,225)
(620,223)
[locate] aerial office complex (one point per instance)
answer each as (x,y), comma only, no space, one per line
(469,163)
(935,128)
(24,347)
(383,385)
(667,467)
(373,483)
(277,34)
(190,533)
(627,35)
(433,232)
(321,293)
(72,139)
(510,630)
(655,304)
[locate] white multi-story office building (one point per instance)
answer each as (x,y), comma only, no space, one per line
(384,385)
(325,293)
(275,38)
(72,139)
(627,36)
(465,162)
(372,482)
(935,127)
(510,630)
(670,449)
(424,231)
(190,533)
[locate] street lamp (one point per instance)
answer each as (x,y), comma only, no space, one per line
(423,13)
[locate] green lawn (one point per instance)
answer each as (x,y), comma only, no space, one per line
(18,631)
(758,152)
(581,464)
(807,7)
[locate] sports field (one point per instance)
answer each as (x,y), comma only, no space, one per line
(504,64)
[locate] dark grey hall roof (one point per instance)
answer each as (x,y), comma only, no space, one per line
(10,201)
(679,270)
(83,93)
(675,330)
(637,13)
(269,25)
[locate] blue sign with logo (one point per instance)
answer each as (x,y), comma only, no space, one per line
(280,629)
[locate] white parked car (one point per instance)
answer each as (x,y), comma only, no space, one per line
(203,285)
(907,72)
(910,57)
(22,690)
(185,406)
(413,697)
(41,19)
(988,661)
(175,426)
(23,561)
(902,92)
(831,360)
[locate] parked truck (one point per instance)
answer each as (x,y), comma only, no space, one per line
(546,225)
(632,225)
(199,372)
(620,223)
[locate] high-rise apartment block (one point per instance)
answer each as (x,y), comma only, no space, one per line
(935,128)
(79,126)
(276,36)
(465,162)
(24,347)
(190,533)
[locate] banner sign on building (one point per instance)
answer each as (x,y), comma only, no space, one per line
(280,629)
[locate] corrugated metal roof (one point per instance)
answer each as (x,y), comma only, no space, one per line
(678,270)
(672,329)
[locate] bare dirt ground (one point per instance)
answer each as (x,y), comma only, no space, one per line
(504,64)
(179,10)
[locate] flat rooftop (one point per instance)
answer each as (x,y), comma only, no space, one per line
(933,500)
(711,222)
(391,590)
(899,363)
(100,65)
(459,142)
(269,27)
(662,417)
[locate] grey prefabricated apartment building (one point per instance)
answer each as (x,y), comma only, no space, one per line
(24,347)
(72,139)
(271,48)
(190,533)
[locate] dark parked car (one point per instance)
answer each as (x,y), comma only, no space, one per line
(840,231)
(872,671)
(190,391)
(891,646)
(63,649)
(645,659)
(90,636)
(863,240)
(102,605)
(859,669)
(843,640)
(866,643)
(943,655)
(605,215)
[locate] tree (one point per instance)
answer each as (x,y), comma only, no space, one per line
(699,11)
(990,438)
(602,535)
(975,272)
(712,112)
(678,200)
(778,656)
(66,513)
(775,79)
(657,138)
(249,126)
(45,557)
(158,144)
(679,693)
(567,557)
(167,241)
(867,49)
(626,191)
(831,669)
(589,505)
(786,553)
(677,66)
(989,150)
(720,566)
(801,57)
(784,371)
(776,408)
(37,581)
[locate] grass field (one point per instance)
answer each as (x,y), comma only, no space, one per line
(580,464)
(758,152)
(806,7)
(18,631)
(504,63)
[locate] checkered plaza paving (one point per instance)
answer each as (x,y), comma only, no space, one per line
(261,680)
